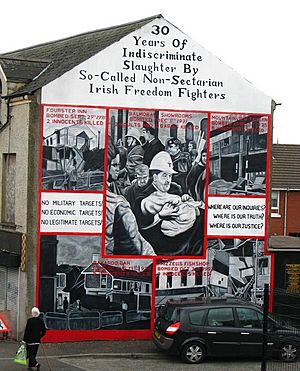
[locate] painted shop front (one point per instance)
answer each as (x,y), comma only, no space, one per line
(154,179)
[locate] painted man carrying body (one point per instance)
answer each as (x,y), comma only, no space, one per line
(167,219)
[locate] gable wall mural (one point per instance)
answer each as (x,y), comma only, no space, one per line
(154,179)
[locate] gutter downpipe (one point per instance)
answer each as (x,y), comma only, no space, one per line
(285,211)
(18,314)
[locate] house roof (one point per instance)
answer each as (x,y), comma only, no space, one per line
(43,63)
(285,160)
(21,70)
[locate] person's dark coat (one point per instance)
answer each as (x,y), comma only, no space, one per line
(151,149)
(34,331)
(181,164)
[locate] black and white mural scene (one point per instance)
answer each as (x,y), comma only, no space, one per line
(156,183)
(238,154)
(233,267)
(73,148)
(80,291)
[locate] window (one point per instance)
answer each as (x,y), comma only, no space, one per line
(137,286)
(61,280)
(103,282)
(170,313)
(197,317)
(220,317)
(249,318)
(198,276)
(189,132)
(157,280)
(275,203)
(8,188)
(173,131)
(183,274)
(57,132)
(203,127)
(116,286)
(226,142)
(263,266)
(169,280)
(92,281)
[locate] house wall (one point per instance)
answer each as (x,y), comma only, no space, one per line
(20,136)
(292,214)
(174,106)
(277,221)
(293,206)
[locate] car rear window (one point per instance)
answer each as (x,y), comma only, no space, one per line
(169,313)
(197,317)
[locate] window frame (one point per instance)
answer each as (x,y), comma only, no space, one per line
(237,309)
(221,310)
(275,209)
(191,312)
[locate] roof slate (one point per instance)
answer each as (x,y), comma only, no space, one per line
(21,70)
(285,172)
(63,55)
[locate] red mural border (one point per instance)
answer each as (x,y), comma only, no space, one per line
(85,335)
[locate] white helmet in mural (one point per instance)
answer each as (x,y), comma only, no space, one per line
(134,133)
(162,161)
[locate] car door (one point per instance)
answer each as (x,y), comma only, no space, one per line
(221,331)
(250,331)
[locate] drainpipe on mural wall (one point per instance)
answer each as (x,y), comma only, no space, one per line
(18,304)
(285,211)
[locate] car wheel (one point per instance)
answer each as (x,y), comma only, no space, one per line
(288,352)
(193,352)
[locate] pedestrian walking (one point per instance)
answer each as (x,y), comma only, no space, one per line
(34,331)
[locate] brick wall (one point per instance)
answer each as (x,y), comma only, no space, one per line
(292,215)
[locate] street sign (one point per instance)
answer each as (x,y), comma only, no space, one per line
(3,325)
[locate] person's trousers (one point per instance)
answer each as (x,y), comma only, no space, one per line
(31,354)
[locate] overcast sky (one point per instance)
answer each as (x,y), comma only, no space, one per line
(257,38)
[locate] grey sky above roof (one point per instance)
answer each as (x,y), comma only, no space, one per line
(64,54)
(285,166)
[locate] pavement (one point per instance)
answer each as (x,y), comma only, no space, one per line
(8,348)
(120,355)
(58,355)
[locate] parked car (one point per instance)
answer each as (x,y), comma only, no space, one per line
(197,328)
